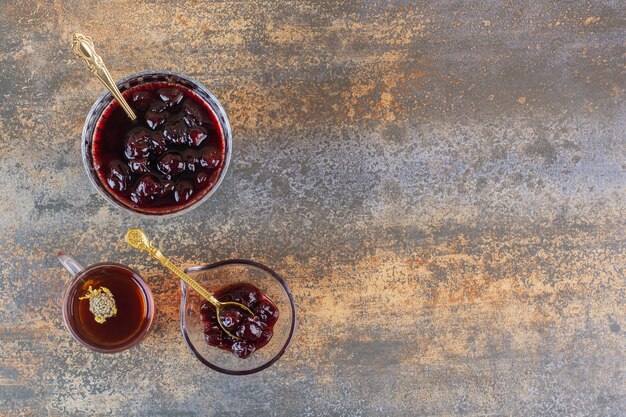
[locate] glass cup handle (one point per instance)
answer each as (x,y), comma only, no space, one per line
(71,264)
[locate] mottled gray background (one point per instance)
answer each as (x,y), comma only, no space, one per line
(442,184)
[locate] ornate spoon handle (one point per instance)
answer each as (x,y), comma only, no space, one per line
(83,48)
(138,240)
(180,274)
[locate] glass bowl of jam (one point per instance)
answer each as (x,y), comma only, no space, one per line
(169,160)
(260,339)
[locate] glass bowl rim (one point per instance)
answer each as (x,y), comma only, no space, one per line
(150,306)
(107,96)
(246,262)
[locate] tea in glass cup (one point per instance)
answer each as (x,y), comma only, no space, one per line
(107,307)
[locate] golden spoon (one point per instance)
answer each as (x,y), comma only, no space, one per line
(138,239)
(83,48)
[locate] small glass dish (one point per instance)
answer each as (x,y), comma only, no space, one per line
(219,275)
(102,103)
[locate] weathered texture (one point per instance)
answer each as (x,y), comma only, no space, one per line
(440,183)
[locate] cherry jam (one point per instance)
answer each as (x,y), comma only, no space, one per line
(168,158)
(253,332)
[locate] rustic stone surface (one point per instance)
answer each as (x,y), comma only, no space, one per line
(441,184)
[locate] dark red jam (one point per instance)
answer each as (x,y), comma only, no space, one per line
(253,332)
(167,159)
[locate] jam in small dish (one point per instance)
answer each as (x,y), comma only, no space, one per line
(253,332)
(168,158)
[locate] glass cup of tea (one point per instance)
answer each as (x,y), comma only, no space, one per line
(107,306)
